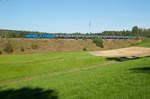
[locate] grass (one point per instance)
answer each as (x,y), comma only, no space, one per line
(145,43)
(123,80)
(27,65)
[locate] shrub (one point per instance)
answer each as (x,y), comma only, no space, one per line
(83,39)
(22,49)
(84,49)
(0,52)
(34,46)
(98,42)
(8,48)
(76,38)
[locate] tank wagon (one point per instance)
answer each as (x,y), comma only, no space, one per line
(79,36)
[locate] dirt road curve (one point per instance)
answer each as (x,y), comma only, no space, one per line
(124,52)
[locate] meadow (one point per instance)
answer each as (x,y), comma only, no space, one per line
(120,80)
(145,43)
(123,80)
(27,65)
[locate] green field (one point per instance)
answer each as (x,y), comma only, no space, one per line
(120,80)
(125,80)
(145,43)
(28,65)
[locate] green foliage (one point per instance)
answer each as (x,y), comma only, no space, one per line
(0,52)
(77,33)
(22,49)
(76,38)
(135,29)
(8,48)
(84,49)
(83,39)
(34,46)
(98,42)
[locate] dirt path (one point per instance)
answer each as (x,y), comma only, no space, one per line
(53,74)
(124,52)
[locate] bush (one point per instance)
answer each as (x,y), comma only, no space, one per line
(0,52)
(8,48)
(22,49)
(76,38)
(98,42)
(34,46)
(84,39)
(84,49)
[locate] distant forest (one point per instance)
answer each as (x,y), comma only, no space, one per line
(136,31)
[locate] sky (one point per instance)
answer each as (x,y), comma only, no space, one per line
(69,16)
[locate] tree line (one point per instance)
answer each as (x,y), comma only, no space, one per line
(136,31)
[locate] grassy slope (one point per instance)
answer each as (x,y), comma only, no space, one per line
(126,80)
(62,45)
(145,43)
(19,66)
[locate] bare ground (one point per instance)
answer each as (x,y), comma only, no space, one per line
(124,52)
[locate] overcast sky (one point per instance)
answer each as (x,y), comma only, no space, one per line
(74,15)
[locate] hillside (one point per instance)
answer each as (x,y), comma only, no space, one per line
(128,80)
(145,43)
(73,75)
(61,45)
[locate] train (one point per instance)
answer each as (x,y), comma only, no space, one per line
(79,36)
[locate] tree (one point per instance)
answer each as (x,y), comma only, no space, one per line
(3,34)
(135,29)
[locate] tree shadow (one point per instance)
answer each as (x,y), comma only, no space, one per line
(141,70)
(28,93)
(121,59)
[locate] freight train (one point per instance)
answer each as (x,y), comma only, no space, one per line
(79,36)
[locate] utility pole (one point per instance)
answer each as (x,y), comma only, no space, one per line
(90,25)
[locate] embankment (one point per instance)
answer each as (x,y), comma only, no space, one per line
(60,45)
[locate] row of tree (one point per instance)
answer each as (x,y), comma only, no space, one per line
(134,32)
